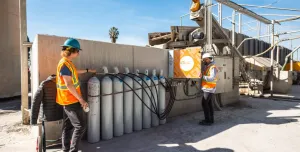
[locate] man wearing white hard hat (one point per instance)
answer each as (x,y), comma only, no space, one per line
(209,82)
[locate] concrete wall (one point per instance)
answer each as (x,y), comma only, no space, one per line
(46,54)
(10,71)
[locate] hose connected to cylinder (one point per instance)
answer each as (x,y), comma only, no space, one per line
(154,107)
(167,85)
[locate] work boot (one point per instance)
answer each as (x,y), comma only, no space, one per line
(205,123)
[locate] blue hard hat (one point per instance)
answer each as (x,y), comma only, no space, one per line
(73,43)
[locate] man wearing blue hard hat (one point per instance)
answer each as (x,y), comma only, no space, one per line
(70,97)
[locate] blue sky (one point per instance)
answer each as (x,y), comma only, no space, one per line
(91,19)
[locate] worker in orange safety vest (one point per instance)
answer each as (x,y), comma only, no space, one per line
(70,97)
(209,82)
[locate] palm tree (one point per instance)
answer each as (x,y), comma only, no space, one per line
(113,33)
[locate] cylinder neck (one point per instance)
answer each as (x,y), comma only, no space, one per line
(105,70)
(126,70)
(116,70)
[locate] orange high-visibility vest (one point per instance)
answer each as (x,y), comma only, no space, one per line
(64,96)
(211,84)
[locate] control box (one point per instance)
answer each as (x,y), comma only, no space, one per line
(185,63)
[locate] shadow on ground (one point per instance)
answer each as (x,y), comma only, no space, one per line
(181,134)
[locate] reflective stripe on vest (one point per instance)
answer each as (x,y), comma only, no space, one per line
(64,96)
(209,84)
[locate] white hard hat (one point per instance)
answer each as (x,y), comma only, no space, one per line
(207,55)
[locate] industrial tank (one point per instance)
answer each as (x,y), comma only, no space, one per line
(10,77)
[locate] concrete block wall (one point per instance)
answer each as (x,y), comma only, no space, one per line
(10,71)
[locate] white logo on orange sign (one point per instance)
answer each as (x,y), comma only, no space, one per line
(186,63)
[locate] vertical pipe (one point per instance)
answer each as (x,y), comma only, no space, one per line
(268,30)
(272,58)
(240,23)
(233,28)
(220,14)
(180,21)
(291,62)
(209,24)
(259,29)
(24,61)
(291,68)
(277,54)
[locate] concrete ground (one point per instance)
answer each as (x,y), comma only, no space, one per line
(252,125)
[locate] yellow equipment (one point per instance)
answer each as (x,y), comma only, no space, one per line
(296,66)
(195,6)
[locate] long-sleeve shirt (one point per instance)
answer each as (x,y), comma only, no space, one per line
(210,78)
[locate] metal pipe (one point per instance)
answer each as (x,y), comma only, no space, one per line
(233,27)
(183,17)
(268,33)
(209,25)
(249,22)
(250,27)
(272,58)
(292,55)
(214,15)
(278,15)
(277,53)
(24,60)
(286,58)
(288,19)
(268,7)
(259,29)
(212,5)
(240,23)
(290,32)
(291,62)
(220,14)
(228,17)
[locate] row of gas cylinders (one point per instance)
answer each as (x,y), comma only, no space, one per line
(116,110)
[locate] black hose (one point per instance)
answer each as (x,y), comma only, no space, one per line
(168,108)
(153,85)
(142,87)
(160,116)
(152,96)
(131,89)
(168,87)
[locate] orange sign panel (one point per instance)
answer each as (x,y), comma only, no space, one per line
(187,63)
